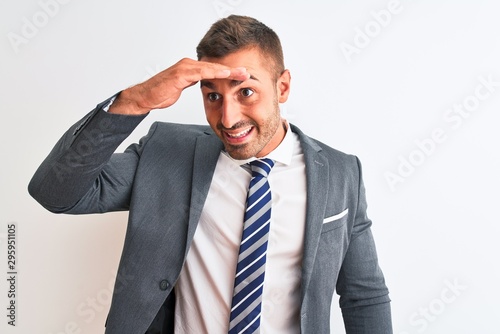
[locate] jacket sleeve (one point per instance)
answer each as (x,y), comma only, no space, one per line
(364,297)
(81,174)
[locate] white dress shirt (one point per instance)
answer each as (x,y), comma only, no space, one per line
(205,286)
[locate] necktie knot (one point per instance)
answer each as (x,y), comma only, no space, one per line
(261,167)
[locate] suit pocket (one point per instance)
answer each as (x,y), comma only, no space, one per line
(335,221)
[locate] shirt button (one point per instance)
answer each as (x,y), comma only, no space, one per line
(164,285)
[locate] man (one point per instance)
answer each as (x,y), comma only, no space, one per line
(186,188)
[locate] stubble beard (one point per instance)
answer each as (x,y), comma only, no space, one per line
(263,136)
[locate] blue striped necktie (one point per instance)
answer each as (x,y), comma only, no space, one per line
(249,280)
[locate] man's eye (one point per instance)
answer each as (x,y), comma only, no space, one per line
(213,97)
(247,92)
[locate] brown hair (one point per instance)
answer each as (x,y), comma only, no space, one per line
(235,33)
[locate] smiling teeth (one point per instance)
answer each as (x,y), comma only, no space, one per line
(241,134)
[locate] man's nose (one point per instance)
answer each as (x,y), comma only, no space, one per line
(231,113)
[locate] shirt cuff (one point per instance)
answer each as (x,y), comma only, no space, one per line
(110,102)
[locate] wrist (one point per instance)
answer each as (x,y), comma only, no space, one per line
(128,102)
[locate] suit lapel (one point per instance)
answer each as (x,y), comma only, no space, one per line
(317,176)
(206,153)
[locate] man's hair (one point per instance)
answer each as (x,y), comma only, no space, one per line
(235,33)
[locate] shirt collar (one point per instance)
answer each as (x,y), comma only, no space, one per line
(282,154)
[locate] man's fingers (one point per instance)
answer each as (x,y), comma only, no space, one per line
(222,74)
(195,71)
(238,73)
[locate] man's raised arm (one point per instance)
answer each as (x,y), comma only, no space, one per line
(81,174)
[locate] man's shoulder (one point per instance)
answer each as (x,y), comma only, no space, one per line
(319,146)
(344,167)
(181,129)
(165,135)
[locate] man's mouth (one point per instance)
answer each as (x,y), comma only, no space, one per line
(239,136)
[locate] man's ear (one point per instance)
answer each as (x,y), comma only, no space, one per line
(284,86)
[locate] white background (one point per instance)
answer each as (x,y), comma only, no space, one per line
(435,227)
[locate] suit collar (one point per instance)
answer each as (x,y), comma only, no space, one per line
(305,140)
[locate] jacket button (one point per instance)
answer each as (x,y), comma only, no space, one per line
(164,285)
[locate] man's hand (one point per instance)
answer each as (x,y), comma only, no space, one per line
(165,88)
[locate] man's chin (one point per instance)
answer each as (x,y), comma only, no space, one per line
(239,152)
(238,156)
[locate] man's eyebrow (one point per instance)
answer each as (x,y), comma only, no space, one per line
(234,83)
(208,84)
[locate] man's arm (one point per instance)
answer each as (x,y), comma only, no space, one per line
(82,165)
(364,297)
(81,174)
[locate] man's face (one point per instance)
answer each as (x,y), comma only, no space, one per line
(245,114)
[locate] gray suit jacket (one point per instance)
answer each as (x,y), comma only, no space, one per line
(164,180)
